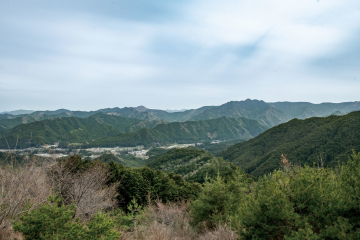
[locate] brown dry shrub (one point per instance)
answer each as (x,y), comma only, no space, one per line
(87,189)
(171,221)
(9,234)
(164,221)
(221,232)
(22,188)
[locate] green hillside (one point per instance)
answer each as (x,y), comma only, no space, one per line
(304,110)
(127,160)
(314,140)
(223,128)
(216,148)
(181,160)
(70,130)
(193,164)
(251,109)
(12,121)
(269,114)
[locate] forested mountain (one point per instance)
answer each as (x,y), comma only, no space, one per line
(70,130)
(105,127)
(181,160)
(269,114)
(18,112)
(304,110)
(251,109)
(223,128)
(12,121)
(192,163)
(142,112)
(315,140)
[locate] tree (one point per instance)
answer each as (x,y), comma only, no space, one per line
(23,187)
(84,184)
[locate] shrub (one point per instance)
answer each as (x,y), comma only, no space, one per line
(23,187)
(304,203)
(219,199)
(83,183)
(53,220)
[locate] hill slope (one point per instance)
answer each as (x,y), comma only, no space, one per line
(181,160)
(304,110)
(193,164)
(270,114)
(251,109)
(223,128)
(329,140)
(70,130)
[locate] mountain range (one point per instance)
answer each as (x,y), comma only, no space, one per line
(270,114)
(139,125)
(69,130)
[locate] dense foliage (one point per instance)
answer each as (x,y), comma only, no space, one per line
(216,167)
(144,184)
(294,203)
(216,148)
(192,163)
(223,128)
(127,160)
(324,141)
(181,160)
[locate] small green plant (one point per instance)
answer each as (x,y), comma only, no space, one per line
(127,220)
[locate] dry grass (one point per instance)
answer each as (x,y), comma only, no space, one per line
(9,234)
(171,221)
(221,232)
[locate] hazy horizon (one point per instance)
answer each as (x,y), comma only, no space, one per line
(168,110)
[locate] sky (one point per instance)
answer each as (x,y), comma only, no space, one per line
(88,55)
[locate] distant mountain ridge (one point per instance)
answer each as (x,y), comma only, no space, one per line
(267,114)
(251,109)
(108,130)
(68,130)
(304,110)
(18,112)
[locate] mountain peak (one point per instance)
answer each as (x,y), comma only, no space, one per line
(140,109)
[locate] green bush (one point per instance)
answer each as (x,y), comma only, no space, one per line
(53,220)
(294,203)
(219,199)
(144,184)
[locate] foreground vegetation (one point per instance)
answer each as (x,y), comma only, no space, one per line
(293,203)
(96,200)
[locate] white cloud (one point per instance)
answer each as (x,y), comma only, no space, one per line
(219,51)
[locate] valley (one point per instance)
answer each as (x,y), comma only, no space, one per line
(248,147)
(125,132)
